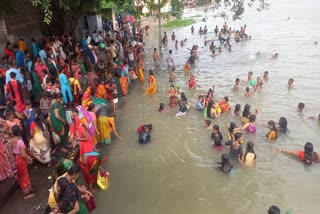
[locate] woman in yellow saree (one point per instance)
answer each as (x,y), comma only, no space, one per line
(139,70)
(86,98)
(152,84)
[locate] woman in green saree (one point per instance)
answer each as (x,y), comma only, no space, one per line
(36,87)
(59,119)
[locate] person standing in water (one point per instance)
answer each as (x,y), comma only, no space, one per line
(170,62)
(155,57)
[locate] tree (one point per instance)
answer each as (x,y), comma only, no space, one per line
(236,8)
(5,8)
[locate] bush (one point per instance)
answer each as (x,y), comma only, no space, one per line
(179,23)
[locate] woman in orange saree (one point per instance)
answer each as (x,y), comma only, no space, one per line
(152,84)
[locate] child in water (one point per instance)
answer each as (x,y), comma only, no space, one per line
(237,110)
(225,165)
(266,75)
(207,124)
(236,86)
(216,136)
(144,135)
(161,107)
(187,67)
(290,83)
(140,128)
(192,81)
(300,107)
(172,76)
(272,134)
(249,156)
(248,92)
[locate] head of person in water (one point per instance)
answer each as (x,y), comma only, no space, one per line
(161,107)
(237,109)
(170,51)
(283,123)
(155,49)
(247,89)
(232,126)
(246,110)
(274,210)
(150,127)
(226,166)
(252,118)
(226,99)
(208,123)
(237,81)
(210,92)
(308,153)
(276,55)
(290,82)
(265,74)
(215,129)
(250,74)
(183,96)
(300,107)
(238,136)
(272,125)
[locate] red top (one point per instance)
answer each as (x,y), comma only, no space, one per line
(140,128)
(301,155)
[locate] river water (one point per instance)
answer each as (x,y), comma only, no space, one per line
(175,173)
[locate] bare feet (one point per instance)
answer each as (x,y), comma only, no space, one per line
(27,196)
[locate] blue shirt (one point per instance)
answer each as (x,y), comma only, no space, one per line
(199,106)
(20,58)
(43,55)
(35,49)
(19,78)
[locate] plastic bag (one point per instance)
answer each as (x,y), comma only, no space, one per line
(103,180)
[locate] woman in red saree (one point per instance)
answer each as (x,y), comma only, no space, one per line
(15,90)
(16,147)
(90,164)
(79,132)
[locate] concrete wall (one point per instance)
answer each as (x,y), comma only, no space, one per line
(24,22)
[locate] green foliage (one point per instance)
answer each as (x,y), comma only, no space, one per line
(236,8)
(127,6)
(153,7)
(5,8)
(49,7)
(179,23)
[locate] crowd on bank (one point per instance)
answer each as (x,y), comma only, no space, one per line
(54,101)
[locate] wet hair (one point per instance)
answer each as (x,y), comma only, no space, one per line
(183,96)
(301,106)
(250,73)
(247,89)
(75,169)
(237,108)
(246,111)
(283,123)
(232,126)
(150,127)
(266,72)
(226,99)
(210,105)
(237,80)
(237,136)
(273,127)
(252,118)
(309,155)
(274,210)
(208,122)
(16,131)
(291,79)
(249,149)
(170,51)
(226,166)
(161,108)
(216,127)
(217,142)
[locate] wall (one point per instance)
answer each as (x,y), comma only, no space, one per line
(24,22)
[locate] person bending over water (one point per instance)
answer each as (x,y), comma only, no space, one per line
(308,156)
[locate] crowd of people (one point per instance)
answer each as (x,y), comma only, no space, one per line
(212,109)
(54,107)
(56,98)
